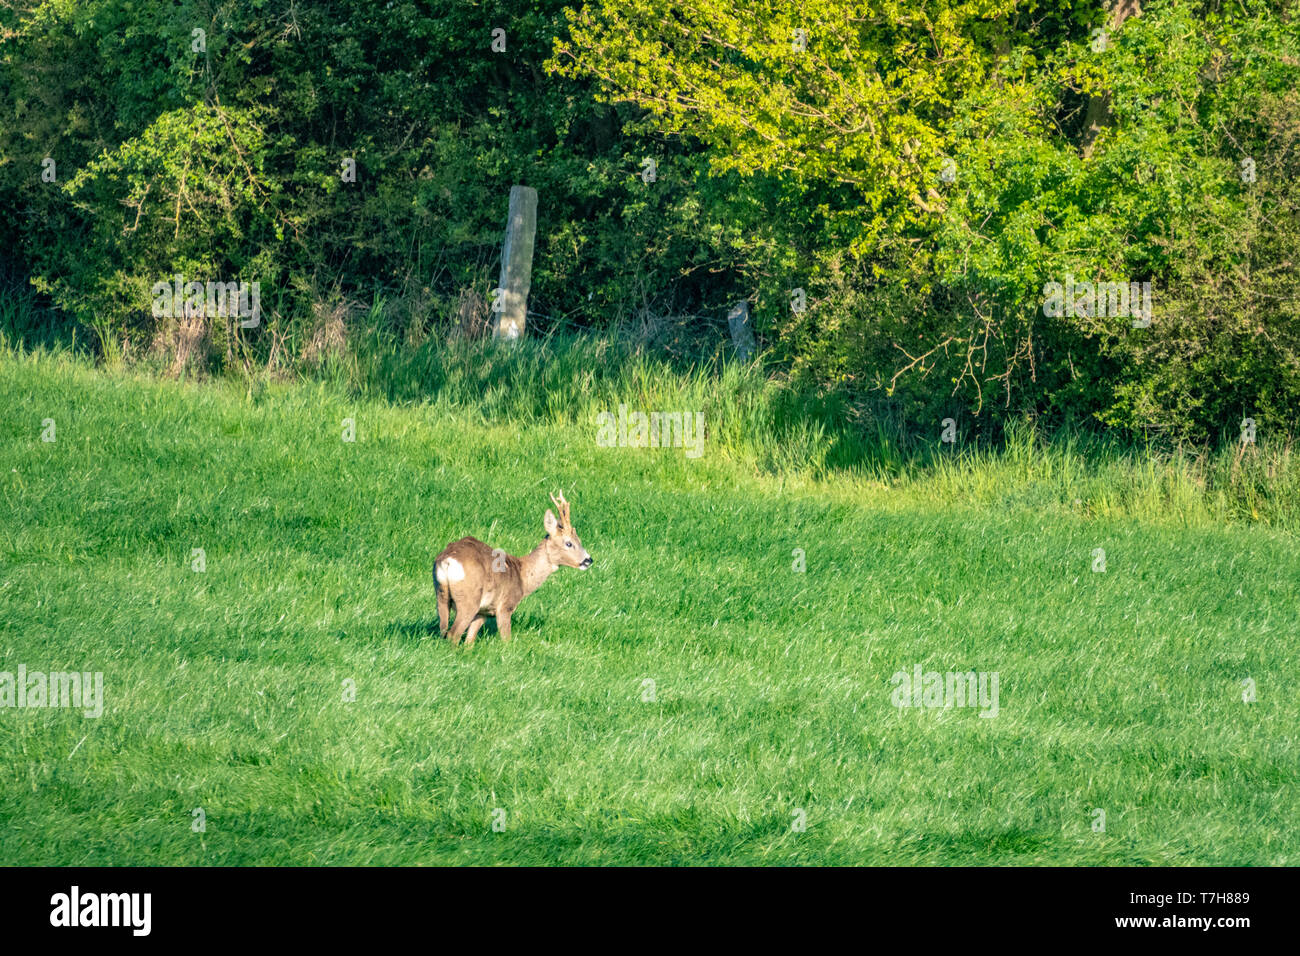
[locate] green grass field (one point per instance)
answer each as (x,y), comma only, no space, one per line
(226,689)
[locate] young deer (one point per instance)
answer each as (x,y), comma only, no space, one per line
(480,581)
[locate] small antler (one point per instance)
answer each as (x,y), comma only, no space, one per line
(563,507)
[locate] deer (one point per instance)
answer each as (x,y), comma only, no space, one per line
(482,582)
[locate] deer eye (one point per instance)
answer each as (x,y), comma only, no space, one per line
(568,544)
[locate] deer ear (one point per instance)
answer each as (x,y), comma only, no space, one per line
(549,522)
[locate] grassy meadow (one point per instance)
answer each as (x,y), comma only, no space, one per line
(693,698)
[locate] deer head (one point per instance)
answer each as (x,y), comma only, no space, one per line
(563,547)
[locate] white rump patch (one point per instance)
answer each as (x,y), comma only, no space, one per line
(450,570)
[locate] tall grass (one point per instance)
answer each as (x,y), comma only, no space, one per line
(1094,474)
(749,415)
(756,416)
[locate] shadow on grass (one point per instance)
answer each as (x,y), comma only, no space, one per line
(421,629)
(416,630)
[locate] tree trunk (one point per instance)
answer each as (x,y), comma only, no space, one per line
(1099,116)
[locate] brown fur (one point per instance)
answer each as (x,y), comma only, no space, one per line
(493,584)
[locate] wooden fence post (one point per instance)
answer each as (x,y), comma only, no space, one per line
(742,332)
(511,299)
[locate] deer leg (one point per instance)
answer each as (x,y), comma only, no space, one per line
(444,607)
(464,601)
(503,625)
(458,628)
(474,625)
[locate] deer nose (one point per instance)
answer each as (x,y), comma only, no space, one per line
(586,562)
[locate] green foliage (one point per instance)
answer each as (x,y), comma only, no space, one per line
(859,100)
(941,185)
(225,161)
(920,170)
(189,195)
(1162,199)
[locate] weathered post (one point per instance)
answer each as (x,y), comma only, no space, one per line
(511,300)
(742,332)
